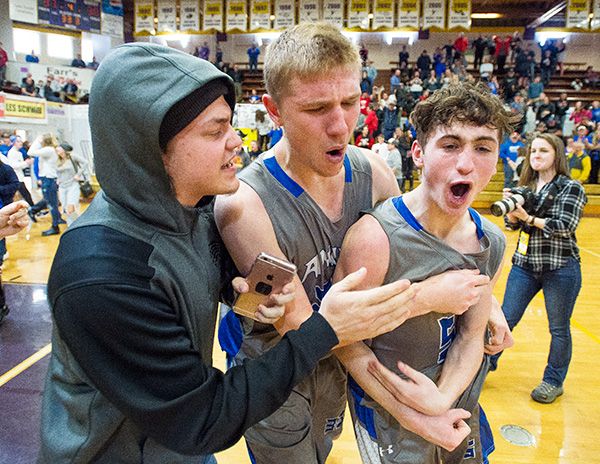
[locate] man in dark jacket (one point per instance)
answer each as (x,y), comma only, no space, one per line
(9,184)
(135,282)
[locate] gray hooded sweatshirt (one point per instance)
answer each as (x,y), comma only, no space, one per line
(133,292)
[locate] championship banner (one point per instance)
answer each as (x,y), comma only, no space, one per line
(577,14)
(260,14)
(333,12)
(309,11)
(358,14)
(434,14)
(236,15)
(15,108)
(25,11)
(144,17)
(383,14)
(595,24)
(285,14)
(112,18)
(459,14)
(167,16)
(408,14)
(189,16)
(213,15)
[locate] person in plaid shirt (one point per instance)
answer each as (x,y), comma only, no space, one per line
(547,256)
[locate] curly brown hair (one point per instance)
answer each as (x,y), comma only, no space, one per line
(462,103)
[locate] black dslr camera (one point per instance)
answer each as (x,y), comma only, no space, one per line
(520,196)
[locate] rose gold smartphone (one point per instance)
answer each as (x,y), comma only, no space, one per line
(268,275)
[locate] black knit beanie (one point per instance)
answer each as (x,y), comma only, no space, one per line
(189,107)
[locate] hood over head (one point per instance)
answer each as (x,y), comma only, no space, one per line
(135,87)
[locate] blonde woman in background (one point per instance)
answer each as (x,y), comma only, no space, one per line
(69,172)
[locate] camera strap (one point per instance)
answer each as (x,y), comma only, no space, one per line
(550,197)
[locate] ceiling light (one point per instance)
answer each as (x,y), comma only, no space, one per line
(486,15)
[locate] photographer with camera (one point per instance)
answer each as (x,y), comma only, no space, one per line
(547,208)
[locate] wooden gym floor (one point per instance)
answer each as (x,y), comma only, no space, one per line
(564,432)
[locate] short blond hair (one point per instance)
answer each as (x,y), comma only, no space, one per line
(304,51)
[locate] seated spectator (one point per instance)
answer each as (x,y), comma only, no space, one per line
(535,89)
(583,137)
(93,64)
(364,140)
(254,97)
(365,83)
(591,78)
(32,58)
(28,88)
(70,90)
(553,126)
(595,110)
(580,164)
(576,84)
(562,106)
(486,69)
(580,114)
(395,81)
(545,108)
(78,62)
(365,101)
(255,150)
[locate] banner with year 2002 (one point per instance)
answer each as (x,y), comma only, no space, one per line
(408,14)
(434,14)
(383,14)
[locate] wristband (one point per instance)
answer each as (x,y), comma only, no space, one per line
(530,220)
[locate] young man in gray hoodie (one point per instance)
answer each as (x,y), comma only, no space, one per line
(135,282)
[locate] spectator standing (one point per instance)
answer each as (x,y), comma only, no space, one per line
(371,72)
(592,78)
(364,54)
(32,58)
(78,62)
(403,57)
(3,61)
(424,63)
(263,127)
(238,78)
(364,139)
(365,83)
(395,81)
(546,66)
(381,147)
(218,55)
(509,150)
(547,256)
(69,172)
(70,90)
(203,52)
(9,184)
(394,161)
(560,56)
(253,53)
(502,52)
(15,160)
(595,110)
(439,64)
(479,45)
(461,45)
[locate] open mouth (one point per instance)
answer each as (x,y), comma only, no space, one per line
(460,190)
(336,152)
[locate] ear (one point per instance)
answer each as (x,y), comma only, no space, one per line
(417,154)
(272,109)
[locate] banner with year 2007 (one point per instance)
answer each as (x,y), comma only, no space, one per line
(459,14)
(260,14)
(358,14)
(434,14)
(213,15)
(383,14)
(578,14)
(408,14)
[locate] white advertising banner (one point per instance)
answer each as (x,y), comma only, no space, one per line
(144,16)
(167,16)
(285,14)
(408,14)
(578,14)
(25,11)
(595,23)
(260,14)
(309,11)
(459,14)
(333,12)
(383,14)
(358,14)
(213,15)
(189,15)
(237,15)
(434,14)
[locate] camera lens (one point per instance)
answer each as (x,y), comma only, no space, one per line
(263,288)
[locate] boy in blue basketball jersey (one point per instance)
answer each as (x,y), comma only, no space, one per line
(422,233)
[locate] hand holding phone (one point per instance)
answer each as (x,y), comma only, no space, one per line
(268,276)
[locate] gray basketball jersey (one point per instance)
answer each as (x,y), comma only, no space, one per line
(422,342)
(307,237)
